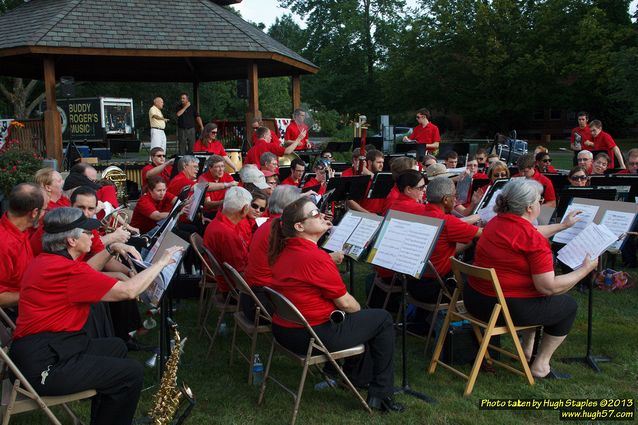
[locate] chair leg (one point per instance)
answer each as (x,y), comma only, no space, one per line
(370,293)
(439,342)
(481,352)
(208,308)
(304,373)
(232,345)
(435,315)
(253,346)
(72,415)
(522,359)
(350,386)
(262,390)
(212,338)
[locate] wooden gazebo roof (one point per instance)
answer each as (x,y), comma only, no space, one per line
(137,40)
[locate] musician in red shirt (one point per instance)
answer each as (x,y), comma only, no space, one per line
(585,159)
(581,137)
(308,277)
(521,255)
(187,177)
(158,167)
(218,181)
(207,143)
(256,123)
(224,236)
(297,131)
(544,162)
(297,168)
(26,203)
(51,181)
(397,166)
(323,172)
(526,169)
(632,162)
(426,134)
(603,141)
(153,206)
(50,348)
(264,144)
(374,164)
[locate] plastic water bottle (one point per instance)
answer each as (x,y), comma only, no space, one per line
(325,384)
(258,370)
(223,329)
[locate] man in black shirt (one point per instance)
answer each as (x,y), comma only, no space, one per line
(187,117)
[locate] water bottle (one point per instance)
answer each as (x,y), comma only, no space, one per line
(258,370)
(223,329)
(608,278)
(325,384)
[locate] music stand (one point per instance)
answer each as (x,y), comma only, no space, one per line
(338,147)
(71,157)
(381,185)
(339,166)
(404,147)
(284,173)
(566,195)
(558,180)
(376,141)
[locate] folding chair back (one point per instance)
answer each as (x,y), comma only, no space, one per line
(208,282)
(490,328)
(287,311)
(243,288)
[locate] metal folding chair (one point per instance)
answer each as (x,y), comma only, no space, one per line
(207,284)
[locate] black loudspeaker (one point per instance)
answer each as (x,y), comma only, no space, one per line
(242,89)
(67,86)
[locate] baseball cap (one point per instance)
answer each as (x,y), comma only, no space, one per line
(251,174)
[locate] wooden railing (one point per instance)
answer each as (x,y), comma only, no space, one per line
(31,136)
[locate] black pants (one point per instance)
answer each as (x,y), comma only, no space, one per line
(372,327)
(77,363)
(556,313)
(248,305)
(126,318)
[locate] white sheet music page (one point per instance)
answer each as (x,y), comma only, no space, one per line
(360,238)
(593,240)
(340,234)
(586,217)
(488,213)
(619,223)
(404,246)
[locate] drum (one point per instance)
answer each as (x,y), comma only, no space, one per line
(235,157)
(284,161)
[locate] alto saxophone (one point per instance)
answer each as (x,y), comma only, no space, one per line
(167,400)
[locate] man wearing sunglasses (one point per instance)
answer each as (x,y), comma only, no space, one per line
(158,167)
(544,163)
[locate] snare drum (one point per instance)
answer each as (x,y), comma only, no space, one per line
(235,157)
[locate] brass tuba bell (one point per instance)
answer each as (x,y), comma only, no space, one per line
(118,177)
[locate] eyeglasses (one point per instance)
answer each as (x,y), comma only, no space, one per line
(580,177)
(547,160)
(583,159)
(87,232)
(500,175)
(312,214)
(213,132)
(480,158)
(160,156)
(420,188)
(257,207)
(327,157)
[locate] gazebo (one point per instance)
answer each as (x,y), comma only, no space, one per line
(135,40)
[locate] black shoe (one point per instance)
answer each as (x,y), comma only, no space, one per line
(386,404)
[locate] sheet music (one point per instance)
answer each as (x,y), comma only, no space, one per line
(360,238)
(158,242)
(619,223)
(487,213)
(593,240)
(586,217)
(340,234)
(196,199)
(261,220)
(404,246)
(153,294)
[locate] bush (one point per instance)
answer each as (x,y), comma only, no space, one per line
(17,165)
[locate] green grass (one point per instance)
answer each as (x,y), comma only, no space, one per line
(223,397)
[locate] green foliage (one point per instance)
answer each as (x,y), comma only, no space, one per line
(16,165)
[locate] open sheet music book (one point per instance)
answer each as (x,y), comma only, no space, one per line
(405,242)
(588,212)
(153,294)
(353,234)
(199,190)
(594,239)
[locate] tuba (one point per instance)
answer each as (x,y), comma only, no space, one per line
(116,176)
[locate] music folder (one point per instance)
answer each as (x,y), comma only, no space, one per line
(353,234)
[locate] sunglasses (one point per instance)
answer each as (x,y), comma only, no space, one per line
(160,156)
(257,207)
(503,174)
(213,132)
(312,214)
(580,177)
(549,161)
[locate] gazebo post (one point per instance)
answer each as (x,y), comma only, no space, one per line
(296,92)
(253,97)
(52,125)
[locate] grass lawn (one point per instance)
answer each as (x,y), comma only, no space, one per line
(223,397)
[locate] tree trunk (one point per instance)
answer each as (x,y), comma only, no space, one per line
(19,97)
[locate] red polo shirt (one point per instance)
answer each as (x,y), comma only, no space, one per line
(389,200)
(349,172)
(274,137)
(96,247)
(375,206)
(426,135)
(605,142)
(289,181)
(15,255)
(226,242)
(217,195)
(548,188)
(259,148)
(178,183)
(56,294)
(311,284)
(516,250)
(62,202)
(215,147)
(292,132)
(625,171)
(585,135)
(146,206)
(314,182)
(258,272)
(165,174)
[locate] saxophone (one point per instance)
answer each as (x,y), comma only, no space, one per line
(166,401)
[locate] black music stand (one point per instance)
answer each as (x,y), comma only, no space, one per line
(284,173)
(346,189)
(404,148)
(340,166)
(307,176)
(381,185)
(338,147)
(376,141)
(566,195)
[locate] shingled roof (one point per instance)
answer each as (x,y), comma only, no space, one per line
(137,40)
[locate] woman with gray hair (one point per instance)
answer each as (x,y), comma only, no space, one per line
(209,144)
(521,255)
(57,290)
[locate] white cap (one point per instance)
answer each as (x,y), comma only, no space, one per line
(251,174)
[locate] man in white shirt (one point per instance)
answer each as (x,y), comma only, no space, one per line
(158,124)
